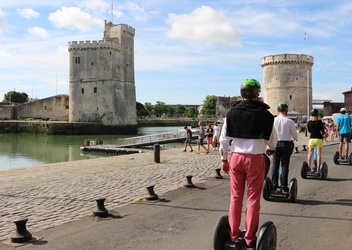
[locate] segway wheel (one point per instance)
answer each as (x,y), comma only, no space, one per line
(293,190)
(336,158)
(304,170)
(222,233)
(350,159)
(267,236)
(324,171)
(267,188)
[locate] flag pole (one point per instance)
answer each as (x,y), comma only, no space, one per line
(112,12)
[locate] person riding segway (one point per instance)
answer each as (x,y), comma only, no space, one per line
(249,125)
(343,129)
(286,132)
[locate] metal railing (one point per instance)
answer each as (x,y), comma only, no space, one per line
(154,138)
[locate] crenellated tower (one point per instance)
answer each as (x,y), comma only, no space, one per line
(288,78)
(102,84)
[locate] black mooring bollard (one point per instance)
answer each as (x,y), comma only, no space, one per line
(21,235)
(296,148)
(157,153)
(218,175)
(101,210)
(304,148)
(152,195)
(189,181)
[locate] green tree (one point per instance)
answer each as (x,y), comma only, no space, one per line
(191,112)
(14,96)
(160,108)
(320,112)
(171,111)
(149,107)
(209,106)
(141,110)
(180,110)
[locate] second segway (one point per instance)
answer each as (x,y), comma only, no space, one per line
(323,174)
(269,194)
(345,160)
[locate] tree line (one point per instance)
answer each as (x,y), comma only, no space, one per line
(143,110)
(160,108)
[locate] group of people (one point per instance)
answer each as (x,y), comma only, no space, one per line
(212,133)
(249,131)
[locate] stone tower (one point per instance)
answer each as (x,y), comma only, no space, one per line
(288,78)
(102,85)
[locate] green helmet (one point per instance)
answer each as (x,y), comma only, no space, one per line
(250,88)
(283,107)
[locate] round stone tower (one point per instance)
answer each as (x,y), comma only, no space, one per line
(288,78)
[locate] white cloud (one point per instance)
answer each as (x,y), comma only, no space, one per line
(131,10)
(74,18)
(137,11)
(2,22)
(4,54)
(204,23)
(96,5)
(28,13)
(38,32)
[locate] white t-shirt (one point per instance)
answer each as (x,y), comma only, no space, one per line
(217,130)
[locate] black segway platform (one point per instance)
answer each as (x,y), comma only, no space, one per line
(305,174)
(337,161)
(266,240)
(270,195)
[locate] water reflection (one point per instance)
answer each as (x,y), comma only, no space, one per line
(24,150)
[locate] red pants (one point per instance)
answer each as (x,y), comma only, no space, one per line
(244,167)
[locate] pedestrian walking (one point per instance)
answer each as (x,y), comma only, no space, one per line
(201,136)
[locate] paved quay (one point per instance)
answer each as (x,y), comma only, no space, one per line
(54,194)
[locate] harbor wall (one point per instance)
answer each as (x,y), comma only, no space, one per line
(64,128)
(81,128)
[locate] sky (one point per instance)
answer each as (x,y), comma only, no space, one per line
(184,49)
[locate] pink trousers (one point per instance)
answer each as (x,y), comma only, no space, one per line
(250,168)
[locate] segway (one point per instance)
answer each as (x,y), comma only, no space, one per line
(314,174)
(267,233)
(337,161)
(269,194)
(266,240)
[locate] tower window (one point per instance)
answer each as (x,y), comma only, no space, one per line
(82,90)
(290,97)
(77,60)
(91,63)
(95,89)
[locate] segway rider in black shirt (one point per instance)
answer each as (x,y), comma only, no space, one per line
(249,125)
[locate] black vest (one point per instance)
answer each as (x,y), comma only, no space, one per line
(250,120)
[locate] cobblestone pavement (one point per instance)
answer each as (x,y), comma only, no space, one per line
(54,194)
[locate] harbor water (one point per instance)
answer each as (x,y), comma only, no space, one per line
(25,150)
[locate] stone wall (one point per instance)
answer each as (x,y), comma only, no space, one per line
(7,112)
(52,108)
(64,128)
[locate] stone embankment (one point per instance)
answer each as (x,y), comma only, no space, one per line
(54,194)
